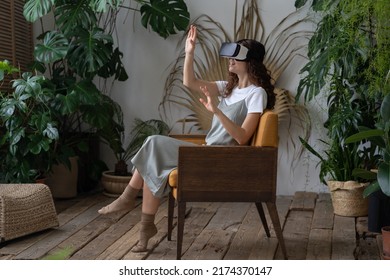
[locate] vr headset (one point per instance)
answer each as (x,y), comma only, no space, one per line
(234,50)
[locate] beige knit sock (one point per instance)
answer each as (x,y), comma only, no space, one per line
(126,201)
(147,231)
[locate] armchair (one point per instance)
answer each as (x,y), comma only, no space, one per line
(228,174)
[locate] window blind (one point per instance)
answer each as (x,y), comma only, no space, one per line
(16,44)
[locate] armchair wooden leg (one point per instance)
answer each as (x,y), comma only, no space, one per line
(181,212)
(273,212)
(262,217)
(171,206)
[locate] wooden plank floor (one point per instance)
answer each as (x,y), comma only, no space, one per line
(212,231)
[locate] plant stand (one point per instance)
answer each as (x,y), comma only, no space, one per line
(347,198)
(378,211)
(62,181)
(114,185)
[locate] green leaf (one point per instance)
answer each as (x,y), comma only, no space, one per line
(371,189)
(384,178)
(67,104)
(364,135)
(114,67)
(38,143)
(35,9)
(7,109)
(92,47)
(71,14)
(51,132)
(16,136)
(165,16)
(86,92)
(385,108)
(364,174)
(310,149)
(6,68)
(53,48)
(101,6)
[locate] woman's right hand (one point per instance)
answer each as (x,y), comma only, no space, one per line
(191,40)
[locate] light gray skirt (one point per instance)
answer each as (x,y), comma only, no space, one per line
(156,158)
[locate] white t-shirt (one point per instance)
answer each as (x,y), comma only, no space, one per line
(255,97)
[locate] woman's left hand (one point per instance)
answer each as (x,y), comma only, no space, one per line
(208,103)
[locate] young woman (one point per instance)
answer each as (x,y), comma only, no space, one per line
(243,99)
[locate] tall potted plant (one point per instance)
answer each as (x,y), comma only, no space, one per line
(347,55)
(77,51)
(339,158)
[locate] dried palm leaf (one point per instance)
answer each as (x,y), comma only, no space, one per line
(283,45)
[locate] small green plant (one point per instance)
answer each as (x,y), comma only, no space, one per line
(140,131)
(61,254)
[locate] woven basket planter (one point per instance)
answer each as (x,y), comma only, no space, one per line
(347,198)
(25,209)
(114,185)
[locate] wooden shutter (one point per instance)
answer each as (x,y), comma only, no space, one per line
(16,44)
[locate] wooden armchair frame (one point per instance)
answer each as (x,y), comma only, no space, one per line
(228,174)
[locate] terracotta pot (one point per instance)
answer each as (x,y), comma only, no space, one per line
(386,242)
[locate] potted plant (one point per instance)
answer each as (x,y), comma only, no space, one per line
(77,50)
(340,159)
(115,181)
(29,128)
(348,55)
(378,191)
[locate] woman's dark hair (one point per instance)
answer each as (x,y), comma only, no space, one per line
(258,73)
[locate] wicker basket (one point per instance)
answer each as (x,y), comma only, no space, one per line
(25,209)
(114,185)
(347,198)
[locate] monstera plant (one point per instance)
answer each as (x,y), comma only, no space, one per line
(76,51)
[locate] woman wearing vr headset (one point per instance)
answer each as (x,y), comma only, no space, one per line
(243,99)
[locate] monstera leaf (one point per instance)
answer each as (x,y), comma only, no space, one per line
(74,13)
(92,47)
(35,9)
(165,16)
(54,47)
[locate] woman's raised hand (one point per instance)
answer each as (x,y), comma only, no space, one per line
(191,40)
(208,102)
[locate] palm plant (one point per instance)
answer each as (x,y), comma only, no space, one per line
(283,45)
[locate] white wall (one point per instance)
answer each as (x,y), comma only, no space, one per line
(147,57)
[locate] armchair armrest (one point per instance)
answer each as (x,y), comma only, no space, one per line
(193,138)
(212,171)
